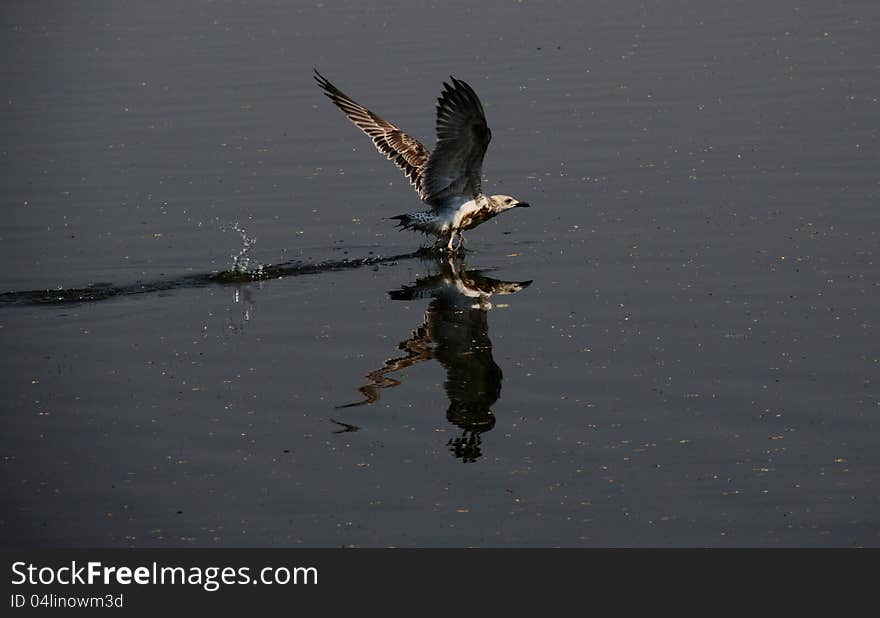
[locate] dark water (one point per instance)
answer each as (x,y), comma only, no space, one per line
(694,363)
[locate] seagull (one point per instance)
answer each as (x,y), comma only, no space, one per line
(447,179)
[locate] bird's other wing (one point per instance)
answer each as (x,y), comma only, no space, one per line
(456,164)
(404,151)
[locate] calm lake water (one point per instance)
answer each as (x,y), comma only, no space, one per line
(675,346)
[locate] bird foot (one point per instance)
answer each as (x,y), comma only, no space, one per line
(445,250)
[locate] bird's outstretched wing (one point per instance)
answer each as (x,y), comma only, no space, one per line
(405,152)
(456,164)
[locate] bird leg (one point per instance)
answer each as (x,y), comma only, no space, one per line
(454,246)
(451,242)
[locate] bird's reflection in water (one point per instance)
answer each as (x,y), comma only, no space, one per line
(455,332)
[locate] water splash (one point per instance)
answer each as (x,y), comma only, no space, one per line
(241,261)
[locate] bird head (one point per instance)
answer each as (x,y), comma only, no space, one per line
(506,202)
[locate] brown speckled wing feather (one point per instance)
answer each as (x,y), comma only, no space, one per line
(404,151)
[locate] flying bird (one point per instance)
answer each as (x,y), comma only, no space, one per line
(448,179)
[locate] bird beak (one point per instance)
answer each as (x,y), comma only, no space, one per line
(522,204)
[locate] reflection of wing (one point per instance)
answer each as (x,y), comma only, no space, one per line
(417,350)
(463,347)
(456,164)
(405,152)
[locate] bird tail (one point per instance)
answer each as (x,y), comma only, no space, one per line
(404,222)
(419,221)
